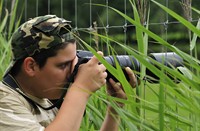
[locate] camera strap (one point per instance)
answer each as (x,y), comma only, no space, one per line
(12,83)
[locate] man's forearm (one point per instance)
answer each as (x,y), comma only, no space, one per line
(71,112)
(111,121)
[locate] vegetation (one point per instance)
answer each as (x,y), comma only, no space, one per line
(164,105)
(8,23)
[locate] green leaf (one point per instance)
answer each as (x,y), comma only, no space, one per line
(179,18)
(4,22)
(194,39)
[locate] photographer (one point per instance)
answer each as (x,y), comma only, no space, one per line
(44,53)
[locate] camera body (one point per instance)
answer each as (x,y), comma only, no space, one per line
(169,59)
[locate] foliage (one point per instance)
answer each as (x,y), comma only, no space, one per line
(80,16)
(7,25)
(167,105)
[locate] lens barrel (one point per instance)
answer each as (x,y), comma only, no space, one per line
(169,59)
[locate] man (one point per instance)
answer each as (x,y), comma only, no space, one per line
(44,53)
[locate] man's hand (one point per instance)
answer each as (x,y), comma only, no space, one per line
(91,75)
(115,89)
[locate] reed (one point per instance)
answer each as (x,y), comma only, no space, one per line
(8,23)
(176,108)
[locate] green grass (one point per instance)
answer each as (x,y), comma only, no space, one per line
(8,23)
(166,105)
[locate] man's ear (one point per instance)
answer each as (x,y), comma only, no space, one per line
(30,66)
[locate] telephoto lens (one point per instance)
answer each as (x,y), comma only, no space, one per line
(169,59)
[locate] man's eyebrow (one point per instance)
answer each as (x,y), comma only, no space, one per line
(66,62)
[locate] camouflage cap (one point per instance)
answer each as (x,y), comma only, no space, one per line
(39,33)
(42,32)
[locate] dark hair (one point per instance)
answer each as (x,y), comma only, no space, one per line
(40,57)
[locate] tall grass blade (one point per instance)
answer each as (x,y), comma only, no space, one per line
(194,39)
(179,18)
(13,18)
(4,21)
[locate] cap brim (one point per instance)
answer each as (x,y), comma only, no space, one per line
(9,68)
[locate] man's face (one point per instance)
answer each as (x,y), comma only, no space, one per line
(53,76)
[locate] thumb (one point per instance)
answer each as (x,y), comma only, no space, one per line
(94,59)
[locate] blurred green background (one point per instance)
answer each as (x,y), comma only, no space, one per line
(83,14)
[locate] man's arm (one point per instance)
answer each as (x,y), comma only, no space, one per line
(115,89)
(111,121)
(71,112)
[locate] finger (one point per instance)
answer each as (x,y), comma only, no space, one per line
(132,77)
(94,59)
(129,71)
(116,89)
(105,74)
(100,53)
(116,85)
(102,68)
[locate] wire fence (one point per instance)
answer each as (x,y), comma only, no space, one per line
(163,26)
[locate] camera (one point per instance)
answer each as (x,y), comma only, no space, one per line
(169,59)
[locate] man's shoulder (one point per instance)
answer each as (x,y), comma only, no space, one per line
(13,106)
(6,91)
(15,111)
(9,95)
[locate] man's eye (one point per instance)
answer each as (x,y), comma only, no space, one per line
(64,65)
